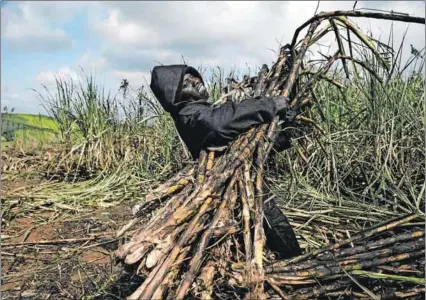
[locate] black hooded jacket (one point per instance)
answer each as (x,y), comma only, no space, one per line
(199,124)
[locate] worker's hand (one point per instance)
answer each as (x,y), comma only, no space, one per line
(290,115)
(283,108)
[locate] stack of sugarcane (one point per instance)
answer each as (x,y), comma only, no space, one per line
(207,236)
(392,252)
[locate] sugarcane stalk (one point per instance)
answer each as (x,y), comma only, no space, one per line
(365,234)
(205,281)
(352,27)
(210,160)
(260,86)
(334,82)
(160,250)
(320,34)
(290,81)
(247,148)
(171,275)
(322,271)
(354,13)
(246,231)
(165,190)
(184,212)
(344,253)
(382,261)
(364,65)
(270,139)
(332,268)
(205,238)
(296,65)
(413,292)
(340,45)
(170,185)
(188,233)
(314,78)
(236,149)
(202,166)
(176,188)
(197,197)
(398,248)
(126,228)
(247,188)
(340,288)
(277,71)
(170,206)
(347,293)
(220,232)
(276,288)
(143,235)
(177,218)
(135,295)
(158,276)
(318,291)
(259,234)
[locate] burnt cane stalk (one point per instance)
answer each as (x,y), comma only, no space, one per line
(259,234)
(205,238)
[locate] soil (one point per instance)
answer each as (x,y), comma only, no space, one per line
(38,264)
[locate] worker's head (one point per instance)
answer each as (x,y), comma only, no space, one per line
(176,85)
(193,87)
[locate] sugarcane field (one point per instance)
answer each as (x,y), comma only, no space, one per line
(213,150)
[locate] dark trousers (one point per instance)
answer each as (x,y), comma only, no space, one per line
(280,237)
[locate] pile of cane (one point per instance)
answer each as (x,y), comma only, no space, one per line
(206,239)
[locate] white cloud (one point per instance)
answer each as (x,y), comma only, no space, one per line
(135,36)
(48,78)
(156,24)
(224,33)
(38,26)
(89,60)
(26,30)
(116,28)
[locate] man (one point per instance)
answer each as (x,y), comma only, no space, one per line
(181,92)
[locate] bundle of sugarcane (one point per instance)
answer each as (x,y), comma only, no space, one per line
(392,253)
(211,214)
(221,204)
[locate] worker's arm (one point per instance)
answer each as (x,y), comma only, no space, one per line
(220,125)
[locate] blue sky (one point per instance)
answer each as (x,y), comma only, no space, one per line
(126,39)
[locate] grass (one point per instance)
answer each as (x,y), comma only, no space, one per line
(370,149)
(27,130)
(371,146)
(100,133)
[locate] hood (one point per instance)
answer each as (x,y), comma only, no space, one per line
(166,84)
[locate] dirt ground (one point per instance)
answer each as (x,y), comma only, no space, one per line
(48,253)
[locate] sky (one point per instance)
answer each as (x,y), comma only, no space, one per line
(125,39)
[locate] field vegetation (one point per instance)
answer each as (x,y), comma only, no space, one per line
(361,161)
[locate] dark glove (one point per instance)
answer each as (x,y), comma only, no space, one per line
(290,115)
(283,108)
